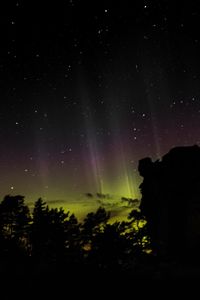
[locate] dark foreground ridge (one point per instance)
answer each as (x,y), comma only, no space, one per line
(50,246)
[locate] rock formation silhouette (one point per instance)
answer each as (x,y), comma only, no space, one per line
(171,201)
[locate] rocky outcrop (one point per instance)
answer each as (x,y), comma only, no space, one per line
(171,200)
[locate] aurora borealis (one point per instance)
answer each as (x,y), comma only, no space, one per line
(90,87)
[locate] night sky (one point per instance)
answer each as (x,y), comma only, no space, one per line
(87,88)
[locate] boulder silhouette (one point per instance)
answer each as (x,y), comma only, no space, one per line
(171,201)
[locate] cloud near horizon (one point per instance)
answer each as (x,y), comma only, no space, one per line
(119,207)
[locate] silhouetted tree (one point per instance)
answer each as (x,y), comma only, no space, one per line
(137,233)
(14,228)
(55,236)
(93,222)
(15,218)
(110,248)
(47,231)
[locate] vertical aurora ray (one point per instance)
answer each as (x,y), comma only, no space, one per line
(108,167)
(91,155)
(42,162)
(94,160)
(43,169)
(123,179)
(124,184)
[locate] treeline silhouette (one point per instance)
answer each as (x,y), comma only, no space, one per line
(50,240)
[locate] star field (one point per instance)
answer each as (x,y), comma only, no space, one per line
(90,87)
